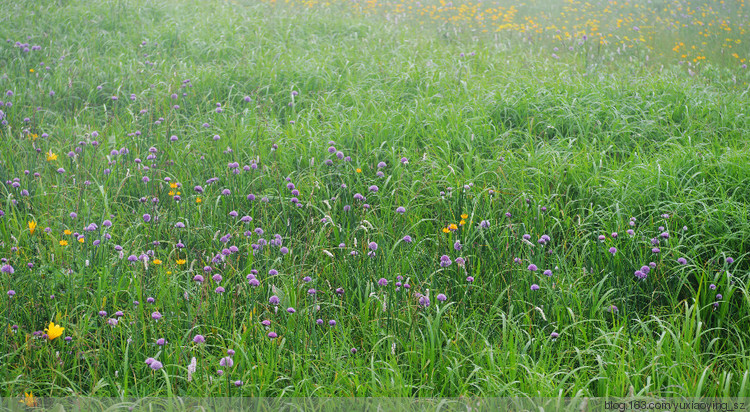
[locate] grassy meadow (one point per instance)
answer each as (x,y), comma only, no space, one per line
(361,198)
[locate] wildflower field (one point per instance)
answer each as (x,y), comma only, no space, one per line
(367,198)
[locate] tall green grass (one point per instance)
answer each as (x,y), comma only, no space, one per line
(567,152)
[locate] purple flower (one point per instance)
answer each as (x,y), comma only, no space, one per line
(730,260)
(534,287)
(613,250)
(373,188)
(682,261)
(640,275)
(102,313)
(445,261)
(199,339)
(226,362)
(441,297)
(718,296)
(146,218)
(548,272)
(532,267)
(407,239)
(272,335)
(400,210)
(156,365)
(383,282)
(7,269)
(156,315)
(484,224)
(274,300)
(424,301)
(373,246)
(161,341)
(11,293)
(655,250)
(457,246)
(291,310)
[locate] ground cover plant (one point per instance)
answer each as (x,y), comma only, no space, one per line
(317,199)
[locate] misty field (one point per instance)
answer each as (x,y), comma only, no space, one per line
(367,198)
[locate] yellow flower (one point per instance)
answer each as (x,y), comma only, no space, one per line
(63,243)
(156,262)
(51,156)
(181,261)
(67,232)
(169,272)
(54,331)
(32,227)
(171,193)
(31,70)
(173,185)
(81,240)
(462,222)
(359,170)
(198,200)
(464,216)
(29,400)
(446,230)
(452,226)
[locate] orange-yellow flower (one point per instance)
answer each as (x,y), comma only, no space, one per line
(51,156)
(29,400)
(181,261)
(67,232)
(63,242)
(156,262)
(32,227)
(54,331)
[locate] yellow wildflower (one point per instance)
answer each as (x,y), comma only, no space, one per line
(29,400)
(173,185)
(462,222)
(198,200)
(181,261)
(63,243)
(156,262)
(32,227)
(54,331)
(51,156)
(81,239)
(31,70)
(464,216)
(359,170)
(446,230)
(67,232)
(452,226)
